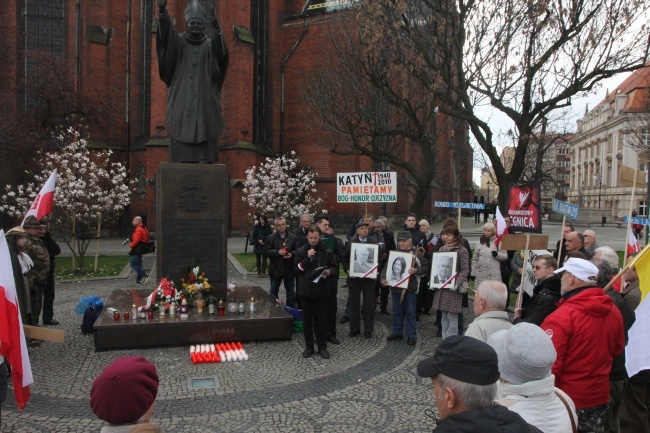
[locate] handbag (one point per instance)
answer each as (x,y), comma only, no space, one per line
(147,247)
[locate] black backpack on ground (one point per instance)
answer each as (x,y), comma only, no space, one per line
(90,316)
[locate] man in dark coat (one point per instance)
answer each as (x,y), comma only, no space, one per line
(327,232)
(53,249)
(464,372)
(194,66)
(37,275)
(411,224)
(575,241)
(361,287)
(546,293)
(279,248)
(315,264)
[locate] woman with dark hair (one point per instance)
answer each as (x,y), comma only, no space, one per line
(262,231)
(447,299)
(21,263)
(397,271)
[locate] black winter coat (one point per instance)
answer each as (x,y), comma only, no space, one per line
(308,268)
(544,301)
(618,363)
(280,267)
(492,419)
(260,232)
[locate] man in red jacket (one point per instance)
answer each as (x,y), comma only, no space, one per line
(140,234)
(587,332)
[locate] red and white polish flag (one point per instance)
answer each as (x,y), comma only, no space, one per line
(12,336)
(632,244)
(44,201)
(500,223)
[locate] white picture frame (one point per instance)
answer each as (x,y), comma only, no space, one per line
(404,260)
(364,259)
(443,266)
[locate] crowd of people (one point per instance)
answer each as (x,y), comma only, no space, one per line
(556,365)
(561,353)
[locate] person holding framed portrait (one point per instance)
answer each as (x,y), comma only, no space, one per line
(402,274)
(361,263)
(447,299)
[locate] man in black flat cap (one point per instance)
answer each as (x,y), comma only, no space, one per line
(465,372)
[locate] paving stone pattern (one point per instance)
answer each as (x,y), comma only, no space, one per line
(368,385)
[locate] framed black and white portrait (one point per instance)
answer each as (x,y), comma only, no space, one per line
(443,269)
(364,260)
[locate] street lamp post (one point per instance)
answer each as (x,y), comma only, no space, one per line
(600,188)
(488,197)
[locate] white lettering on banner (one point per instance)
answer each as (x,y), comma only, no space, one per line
(455,205)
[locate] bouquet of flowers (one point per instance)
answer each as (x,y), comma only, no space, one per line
(195,284)
(164,295)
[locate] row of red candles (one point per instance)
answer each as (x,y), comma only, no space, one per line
(220,352)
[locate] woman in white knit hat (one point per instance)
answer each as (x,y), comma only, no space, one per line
(526,356)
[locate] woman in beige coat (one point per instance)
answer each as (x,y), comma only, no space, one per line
(486,262)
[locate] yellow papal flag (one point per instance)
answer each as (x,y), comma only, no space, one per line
(642,264)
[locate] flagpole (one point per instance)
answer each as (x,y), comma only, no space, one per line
(99,225)
(627,266)
(559,250)
(629,216)
(520,295)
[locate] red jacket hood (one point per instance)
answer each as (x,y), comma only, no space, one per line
(591,301)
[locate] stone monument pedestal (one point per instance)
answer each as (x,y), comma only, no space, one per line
(192,222)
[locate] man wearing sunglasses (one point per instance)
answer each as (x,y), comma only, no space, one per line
(546,293)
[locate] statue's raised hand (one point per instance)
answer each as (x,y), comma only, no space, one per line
(162,4)
(214,20)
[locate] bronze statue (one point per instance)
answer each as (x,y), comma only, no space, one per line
(194,66)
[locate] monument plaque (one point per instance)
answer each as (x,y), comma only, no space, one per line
(192,219)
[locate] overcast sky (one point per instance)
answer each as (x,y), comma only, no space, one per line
(499,121)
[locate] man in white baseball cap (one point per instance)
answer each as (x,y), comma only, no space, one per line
(587,332)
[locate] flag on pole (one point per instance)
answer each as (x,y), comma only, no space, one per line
(641,263)
(432,243)
(632,244)
(12,337)
(44,201)
(500,224)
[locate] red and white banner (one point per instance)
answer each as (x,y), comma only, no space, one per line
(12,337)
(500,224)
(44,201)
(632,244)
(524,207)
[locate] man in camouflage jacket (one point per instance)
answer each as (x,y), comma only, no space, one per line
(37,276)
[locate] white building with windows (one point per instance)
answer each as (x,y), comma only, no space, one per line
(608,137)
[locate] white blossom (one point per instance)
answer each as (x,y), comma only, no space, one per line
(89,189)
(278,187)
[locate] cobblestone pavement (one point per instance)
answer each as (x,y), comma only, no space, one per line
(368,385)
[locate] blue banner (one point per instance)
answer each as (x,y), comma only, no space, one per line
(455,205)
(635,220)
(566,209)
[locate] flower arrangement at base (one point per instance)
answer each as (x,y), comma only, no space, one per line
(163,296)
(195,285)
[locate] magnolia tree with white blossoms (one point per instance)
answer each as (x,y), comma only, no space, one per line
(278,187)
(90,190)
